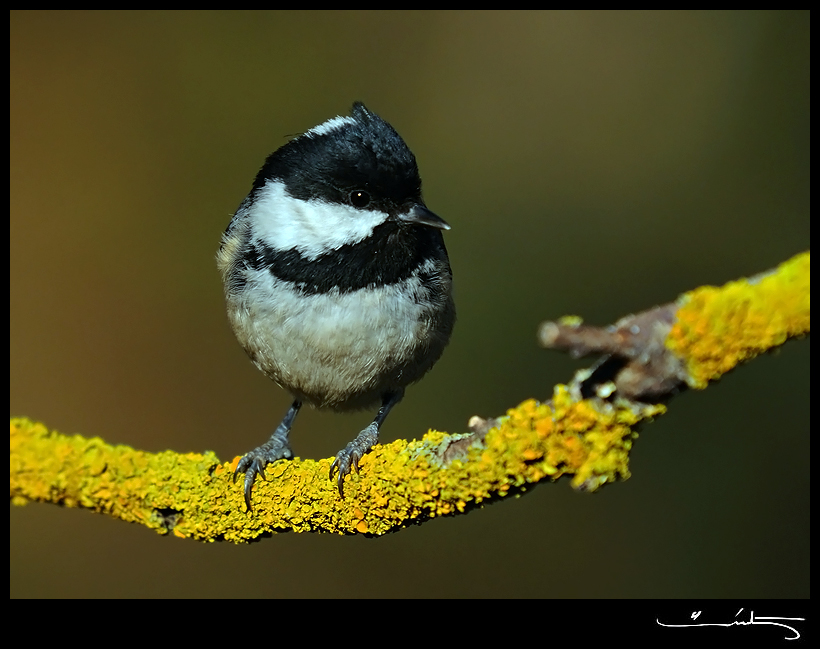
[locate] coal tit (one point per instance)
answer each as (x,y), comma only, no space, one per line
(337,281)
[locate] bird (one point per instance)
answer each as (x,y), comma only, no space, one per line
(337,281)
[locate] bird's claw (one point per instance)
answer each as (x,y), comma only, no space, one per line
(348,458)
(253,464)
(344,462)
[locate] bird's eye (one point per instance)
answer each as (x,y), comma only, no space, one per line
(359,198)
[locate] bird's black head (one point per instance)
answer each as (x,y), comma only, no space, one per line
(359,160)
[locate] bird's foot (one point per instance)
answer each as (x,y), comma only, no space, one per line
(253,463)
(348,458)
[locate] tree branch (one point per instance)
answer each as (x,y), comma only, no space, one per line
(585,430)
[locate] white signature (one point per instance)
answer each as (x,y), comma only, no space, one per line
(753,619)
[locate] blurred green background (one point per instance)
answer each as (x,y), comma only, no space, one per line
(589,163)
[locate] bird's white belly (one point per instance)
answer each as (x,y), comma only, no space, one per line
(334,349)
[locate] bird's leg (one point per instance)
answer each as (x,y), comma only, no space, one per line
(348,458)
(276,448)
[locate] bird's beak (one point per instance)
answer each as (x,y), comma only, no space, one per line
(420,215)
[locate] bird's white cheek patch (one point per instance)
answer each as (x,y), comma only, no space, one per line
(311,227)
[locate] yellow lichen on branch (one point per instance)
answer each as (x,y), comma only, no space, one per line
(585,430)
(399,484)
(717,328)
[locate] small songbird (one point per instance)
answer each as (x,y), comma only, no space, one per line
(337,281)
